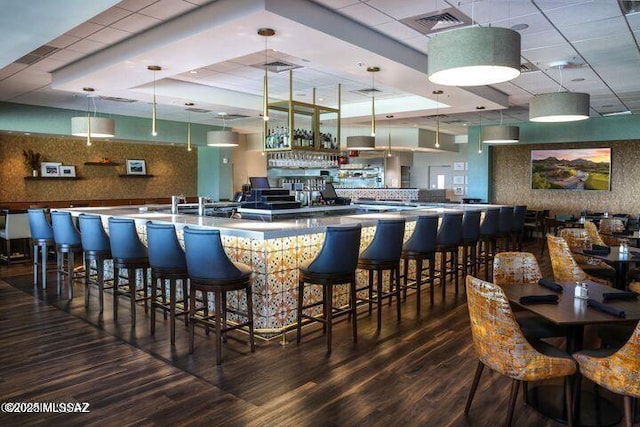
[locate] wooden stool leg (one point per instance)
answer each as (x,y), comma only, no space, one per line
(370,274)
(515,385)
(353,309)
(192,317)
(87,269)
(100,277)
(185,301)
(406,276)
(443,272)
(172,309)
(218,304)
(474,386)
(145,290)
(432,274)
(252,343)
(299,314)
(224,316)
(154,294)
(419,284)
(379,298)
(70,265)
(328,315)
(324,307)
(397,271)
(131,277)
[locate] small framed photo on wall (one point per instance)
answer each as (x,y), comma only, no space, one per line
(50,169)
(67,171)
(458,190)
(458,166)
(136,167)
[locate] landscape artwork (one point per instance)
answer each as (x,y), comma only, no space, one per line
(571,169)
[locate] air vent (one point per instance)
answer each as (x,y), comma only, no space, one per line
(435,116)
(37,55)
(235,116)
(440,20)
(454,122)
(528,67)
(116,99)
(367,91)
(197,110)
(277,66)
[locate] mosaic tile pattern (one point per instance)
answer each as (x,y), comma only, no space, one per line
(402,194)
(515,267)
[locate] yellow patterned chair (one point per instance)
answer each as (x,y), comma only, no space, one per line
(578,239)
(565,268)
(609,226)
(617,372)
(594,235)
(501,346)
(522,267)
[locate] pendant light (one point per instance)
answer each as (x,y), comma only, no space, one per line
(92,126)
(189,105)
(154,129)
(389,117)
(266,33)
(373,71)
(500,134)
(480,108)
(367,143)
(560,106)
(437,93)
(224,137)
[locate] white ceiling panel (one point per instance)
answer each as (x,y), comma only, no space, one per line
(110,16)
(109,36)
(135,5)
(135,23)
(634,21)
(543,56)
(336,4)
(366,15)
(594,29)
(550,38)
(584,12)
(420,43)
(407,8)
(85,29)
(87,46)
(63,41)
(397,30)
(502,13)
(165,9)
(11,69)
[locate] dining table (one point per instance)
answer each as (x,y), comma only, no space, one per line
(620,261)
(591,409)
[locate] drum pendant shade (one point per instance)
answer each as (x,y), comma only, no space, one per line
(559,107)
(101,127)
(222,138)
(362,143)
(500,134)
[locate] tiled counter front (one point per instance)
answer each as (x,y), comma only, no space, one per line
(401,194)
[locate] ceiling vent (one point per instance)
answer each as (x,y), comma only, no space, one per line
(197,110)
(367,91)
(277,66)
(528,67)
(433,22)
(37,55)
(454,122)
(435,116)
(629,7)
(234,116)
(117,99)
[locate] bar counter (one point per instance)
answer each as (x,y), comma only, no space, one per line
(275,249)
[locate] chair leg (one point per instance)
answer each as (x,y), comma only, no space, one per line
(43,265)
(154,295)
(353,309)
(628,412)
(218,302)
(370,278)
(116,284)
(379,298)
(87,275)
(131,277)
(474,386)
(146,291)
(299,314)
(224,316)
(35,265)
(172,309)
(192,318)
(328,315)
(406,277)
(456,264)
(59,267)
(515,385)
(419,284)
(432,273)
(185,301)
(443,272)
(252,343)
(100,278)
(397,271)
(70,265)
(568,395)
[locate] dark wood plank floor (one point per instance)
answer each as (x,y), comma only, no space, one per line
(416,372)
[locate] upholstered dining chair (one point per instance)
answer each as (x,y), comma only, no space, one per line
(565,268)
(609,226)
(594,235)
(522,267)
(617,372)
(501,346)
(578,239)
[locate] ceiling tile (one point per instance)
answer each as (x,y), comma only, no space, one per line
(63,41)
(11,69)
(110,16)
(595,29)
(135,23)
(337,4)
(541,40)
(406,8)
(109,36)
(84,30)
(583,13)
(165,9)
(135,5)
(87,46)
(365,14)
(397,30)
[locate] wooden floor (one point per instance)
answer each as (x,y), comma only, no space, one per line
(416,372)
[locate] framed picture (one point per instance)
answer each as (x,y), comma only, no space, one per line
(458,191)
(50,169)
(66,171)
(458,179)
(571,169)
(458,166)
(136,167)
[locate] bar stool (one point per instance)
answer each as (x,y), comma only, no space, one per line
(487,241)
(211,271)
(448,241)
(517,225)
(168,262)
(68,243)
(335,264)
(97,248)
(41,239)
(382,254)
(505,227)
(128,253)
(421,246)
(470,238)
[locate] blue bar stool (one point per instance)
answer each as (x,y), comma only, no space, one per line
(168,262)
(448,241)
(421,246)
(517,225)
(68,243)
(487,242)
(335,264)
(505,227)
(128,253)
(470,238)
(97,248)
(42,240)
(211,271)
(382,254)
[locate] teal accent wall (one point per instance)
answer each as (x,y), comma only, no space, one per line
(215,176)
(614,128)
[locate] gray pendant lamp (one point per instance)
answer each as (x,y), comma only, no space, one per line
(559,107)
(500,134)
(222,138)
(91,126)
(362,143)
(474,56)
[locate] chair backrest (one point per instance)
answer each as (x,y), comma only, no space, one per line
(387,241)
(16,226)
(205,256)
(39,225)
(499,341)
(611,225)
(164,248)
(450,232)
(339,253)
(423,239)
(471,226)
(592,230)
(515,267)
(577,239)
(64,230)
(92,234)
(519,215)
(489,226)
(565,268)
(505,221)
(125,243)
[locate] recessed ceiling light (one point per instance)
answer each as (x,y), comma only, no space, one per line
(520,27)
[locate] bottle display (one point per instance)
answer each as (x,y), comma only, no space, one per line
(293,159)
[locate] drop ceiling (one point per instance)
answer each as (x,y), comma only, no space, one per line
(211,55)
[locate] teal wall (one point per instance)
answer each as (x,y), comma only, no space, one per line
(215,177)
(614,128)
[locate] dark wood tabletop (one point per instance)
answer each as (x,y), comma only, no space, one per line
(614,255)
(570,310)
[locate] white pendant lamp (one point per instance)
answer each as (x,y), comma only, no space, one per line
(266,33)
(222,138)
(361,143)
(437,93)
(500,134)
(189,105)
(474,56)
(91,126)
(559,107)
(154,129)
